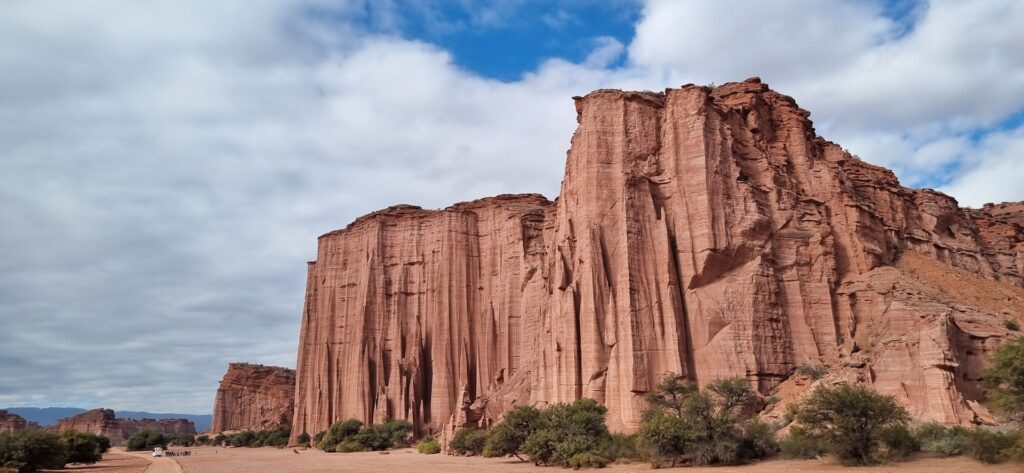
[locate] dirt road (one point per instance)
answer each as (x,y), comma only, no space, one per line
(272,460)
(157,464)
(112,462)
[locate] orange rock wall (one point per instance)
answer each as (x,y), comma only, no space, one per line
(104,422)
(11,423)
(700,231)
(254,397)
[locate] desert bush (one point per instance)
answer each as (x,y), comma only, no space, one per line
(1005,379)
(942,441)
(1011,324)
(851,420)
(566,430)
(31,450)
(146,440)
(349,446)
(203,440)
(988,446)
(509,435)
(80,447)
(623,447)
(801,444)
(429,446)
(716,426)
(468,442)
(587,460)
(183,440)
(814,371)
(897,443)
(358,438)
(303,439)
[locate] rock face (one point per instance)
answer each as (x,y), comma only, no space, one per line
(11,423)
(705,232)
(104,422)
(254,397)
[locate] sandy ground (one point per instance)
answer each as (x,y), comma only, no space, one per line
(112,462)
(271,460)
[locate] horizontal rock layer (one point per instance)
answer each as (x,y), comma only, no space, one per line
(104,422)
(254,397)
(702,231)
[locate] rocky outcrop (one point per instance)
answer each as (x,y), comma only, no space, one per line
(702,231)
(254,397)
(11,423)
(104,422)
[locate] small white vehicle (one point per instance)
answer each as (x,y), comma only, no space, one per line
(158,452)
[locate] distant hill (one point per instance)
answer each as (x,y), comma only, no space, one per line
(49,415)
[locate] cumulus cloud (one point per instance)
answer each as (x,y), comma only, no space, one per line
(166,167)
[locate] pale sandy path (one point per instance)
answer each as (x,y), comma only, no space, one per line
(272,460)
(158,464)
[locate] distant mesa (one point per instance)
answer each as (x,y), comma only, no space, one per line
(49,416)
(104,422)
(702,231)
(11,423)
(254,397)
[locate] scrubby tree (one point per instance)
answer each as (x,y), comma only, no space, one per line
(716,426)
(468,442)
(31,450)
(852,421)
(1005,379)
(81,447)
(146,440)
(568,431)
(508,437)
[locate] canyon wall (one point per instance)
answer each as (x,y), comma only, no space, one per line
(11,423)
(707,232)
(104,422)
(254,397)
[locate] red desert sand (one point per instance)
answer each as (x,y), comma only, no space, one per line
(271,460)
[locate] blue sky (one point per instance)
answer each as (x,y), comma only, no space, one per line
(166,166)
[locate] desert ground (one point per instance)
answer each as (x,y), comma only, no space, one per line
(115,461)
(271,460)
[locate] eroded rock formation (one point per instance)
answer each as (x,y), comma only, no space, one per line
(11,423)
(104,422)
(707,232)
(254,397)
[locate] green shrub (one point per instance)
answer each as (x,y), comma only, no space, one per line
(1011,325)
(146,440)
(303,439)
(989,447)
(942,441)
(851,420)
(716,426)
(814,371)
(468,442)
(541,445)
(623,447)
(203,439)
(397,433)
(508,436)
(349,446)
(1005,379)
(183,440)
(800,444)
(31,450)
(587,460)
(80,447)
(429,446)
(897,443)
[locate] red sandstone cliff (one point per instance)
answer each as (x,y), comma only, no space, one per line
(254,397)
(11,423)
(104,422)
(708,232)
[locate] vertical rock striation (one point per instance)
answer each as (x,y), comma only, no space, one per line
(706,232)
(254,397)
